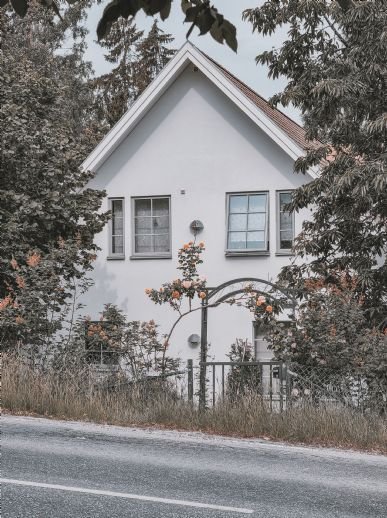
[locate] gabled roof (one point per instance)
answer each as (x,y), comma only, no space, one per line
(288,125)
(280,128)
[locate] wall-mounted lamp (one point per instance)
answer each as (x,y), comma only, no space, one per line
(196,226)
(194,340)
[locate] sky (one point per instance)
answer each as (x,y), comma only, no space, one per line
(241,64)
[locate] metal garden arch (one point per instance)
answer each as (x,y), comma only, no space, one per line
(215,296)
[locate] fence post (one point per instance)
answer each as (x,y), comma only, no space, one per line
(203,357)
(190,380)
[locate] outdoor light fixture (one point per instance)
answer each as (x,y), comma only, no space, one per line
(194,340)
(196,226)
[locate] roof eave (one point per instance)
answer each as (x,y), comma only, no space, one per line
(188,54)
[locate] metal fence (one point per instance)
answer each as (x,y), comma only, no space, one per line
(233,380)
(279,385)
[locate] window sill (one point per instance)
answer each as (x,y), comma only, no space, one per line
(115,257)
(284,253)
(246,253)
(150,256)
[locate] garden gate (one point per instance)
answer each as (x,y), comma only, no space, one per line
(282,297)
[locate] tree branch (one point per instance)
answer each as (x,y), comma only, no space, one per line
(336,32)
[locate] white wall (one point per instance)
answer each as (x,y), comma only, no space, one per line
(195,139)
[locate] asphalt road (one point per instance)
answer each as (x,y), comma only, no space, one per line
(57,469)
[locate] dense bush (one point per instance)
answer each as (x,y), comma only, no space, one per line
(331,335)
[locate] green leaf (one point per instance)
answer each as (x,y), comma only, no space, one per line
(229,33)
(205,21)
(165,11)
(113,11)
(20,7)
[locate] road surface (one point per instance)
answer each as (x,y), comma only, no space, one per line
(57,469)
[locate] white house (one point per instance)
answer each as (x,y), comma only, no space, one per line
(197,145)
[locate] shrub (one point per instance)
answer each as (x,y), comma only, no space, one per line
(331,336)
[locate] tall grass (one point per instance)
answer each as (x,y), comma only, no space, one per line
(72,395)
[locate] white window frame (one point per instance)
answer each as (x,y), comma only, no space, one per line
(248,251)
(283,251)
(150,255)
(115,255)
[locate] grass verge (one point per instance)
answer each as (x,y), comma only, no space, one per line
(70,396)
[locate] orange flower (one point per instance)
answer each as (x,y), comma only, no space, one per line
(14,264)
(202,295)
(148,291)
(201,244)
(176,294)
(33,260)
(19,320)
(185,246)
(20,282)
(5,302)
(269,309)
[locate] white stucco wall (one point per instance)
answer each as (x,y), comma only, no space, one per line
(195,139)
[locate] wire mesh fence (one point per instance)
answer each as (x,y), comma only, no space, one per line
(278,385)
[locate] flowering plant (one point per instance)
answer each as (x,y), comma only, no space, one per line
(189,286)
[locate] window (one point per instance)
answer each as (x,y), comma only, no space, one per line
(247,225)
(285,223)
(151,226)
(116,228)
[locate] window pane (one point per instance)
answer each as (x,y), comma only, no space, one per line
(117,245)
(117,225)
(161,225)
(256,240)
(142,207)
(160,207)
(257,202)
(117,208)
(143,244)
(161,243)
(285,198)
(237,222)
(143,225)
(238,203)
(257,221)
(286,221)
(286,239)
(237,240)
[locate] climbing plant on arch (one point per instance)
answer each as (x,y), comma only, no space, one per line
(190,293)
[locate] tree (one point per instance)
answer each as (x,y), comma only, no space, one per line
(117,90)
(153,54)
(199,13)
(138,60)
(334,61)
(48,216)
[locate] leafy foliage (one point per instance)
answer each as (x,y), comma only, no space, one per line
(199,13)
(242,380)
(334,61)
(46,211)
(331,336)
(116,90)
(135,345)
